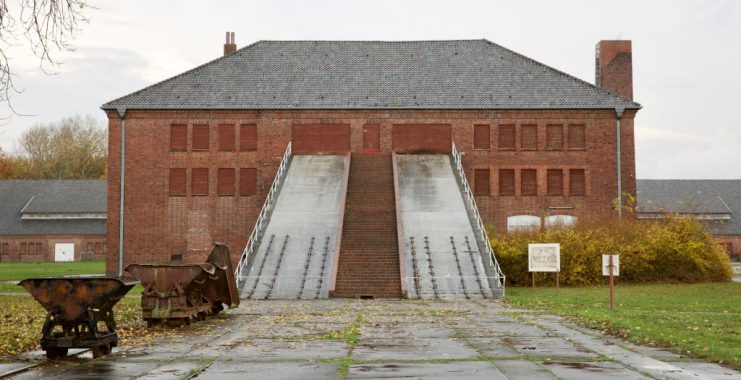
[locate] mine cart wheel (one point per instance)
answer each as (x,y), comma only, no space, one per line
(152,323)
(55,353)
(201,316)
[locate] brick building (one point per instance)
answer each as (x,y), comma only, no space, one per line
(715,203)
(52,220)
(202,148)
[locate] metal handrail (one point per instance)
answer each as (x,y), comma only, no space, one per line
(477,217)
(250,248)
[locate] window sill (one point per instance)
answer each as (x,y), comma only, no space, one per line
(506,149)
(481,149)
(577,149)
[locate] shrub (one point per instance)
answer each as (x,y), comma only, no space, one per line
(672,250)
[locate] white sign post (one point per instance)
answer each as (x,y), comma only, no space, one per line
(611,267)
(544,258)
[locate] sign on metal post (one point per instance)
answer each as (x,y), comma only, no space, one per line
(611,267)
(544,258)
(606,265)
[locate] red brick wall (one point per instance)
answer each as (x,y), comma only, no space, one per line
(735,244)
(85,247)
(158,225)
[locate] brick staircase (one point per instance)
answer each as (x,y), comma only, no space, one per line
(369,253)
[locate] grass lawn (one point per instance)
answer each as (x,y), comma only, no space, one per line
(17,271)
(701,320)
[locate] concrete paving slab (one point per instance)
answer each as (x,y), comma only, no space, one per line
(407,330)
(592,371)
(108,369)
(492,347)
(511,329)
(453,370)
(173,371)
(550,346)
(412,349)
(273,371)
(710,371)
(523,370)
(285,350)
(8,368)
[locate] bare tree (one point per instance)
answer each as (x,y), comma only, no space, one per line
(47,25)
(72,148)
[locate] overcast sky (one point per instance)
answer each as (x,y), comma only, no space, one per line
(686,57)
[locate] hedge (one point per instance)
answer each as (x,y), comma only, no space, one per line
(670,251)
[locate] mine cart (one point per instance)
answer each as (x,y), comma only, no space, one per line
(181,293)
(80,312)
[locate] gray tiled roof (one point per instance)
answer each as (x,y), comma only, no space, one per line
(52,196)
(463,74)
(720,197)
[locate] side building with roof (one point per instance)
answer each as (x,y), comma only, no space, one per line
(715,203)
(53,220)
(201,149)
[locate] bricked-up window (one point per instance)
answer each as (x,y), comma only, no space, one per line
(24,248)
(226,181)
(729,248)
(577,182)
(247,181)
(576,137)
(555,182)
(178,138)
(528,182)
(199,181)
(481,137)
(529,137)
(506,182)
(481,182)
(200,137)
(89,248)
(506,137)
(39,249)
(248,137)
(97,248)
(177,181)
(4,249)
(554,137)
(226,138)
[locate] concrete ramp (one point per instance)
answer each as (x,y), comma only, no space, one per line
(296,251)
(441,252)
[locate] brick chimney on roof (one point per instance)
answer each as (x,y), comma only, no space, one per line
(230,46)
(614,67)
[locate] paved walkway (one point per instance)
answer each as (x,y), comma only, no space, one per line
(383,339)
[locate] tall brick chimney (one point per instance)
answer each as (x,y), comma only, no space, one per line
(230,46)
(614,67)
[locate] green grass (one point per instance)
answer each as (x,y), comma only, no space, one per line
(699,320)
(16,271)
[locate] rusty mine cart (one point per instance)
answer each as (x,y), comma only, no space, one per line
(181,293)
(80,312)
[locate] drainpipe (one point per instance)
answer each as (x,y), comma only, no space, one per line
(619,114)
(122,114)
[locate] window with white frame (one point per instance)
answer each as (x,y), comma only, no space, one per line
(523,223)
(559,221)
